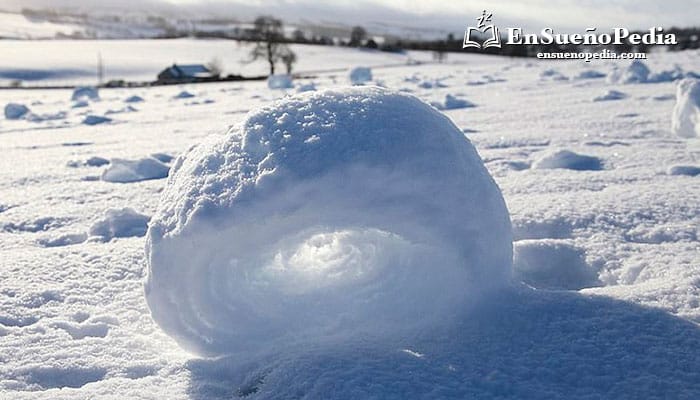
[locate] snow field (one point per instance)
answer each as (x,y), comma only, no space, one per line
(74,322)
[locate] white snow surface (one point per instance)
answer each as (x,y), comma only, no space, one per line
(315,220)
(74,321)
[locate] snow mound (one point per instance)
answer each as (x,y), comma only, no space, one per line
(306,87)
(118,223)
(685,121)
(687,170)
(453,103)
(635,72)
(85,93)
(360,75)
(553,74)
(280,81)
(568,160)
(183,95)
(15,111)
(315,220)
(134,99)
(96,120)
(590,74)
(611,95)
(432,84)
(126,171)
(552,264)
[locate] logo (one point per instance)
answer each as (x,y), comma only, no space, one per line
(493,39)
(548,36)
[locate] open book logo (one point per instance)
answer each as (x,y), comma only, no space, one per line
(492,38)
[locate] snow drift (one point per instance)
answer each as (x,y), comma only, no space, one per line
(118,223)
(566,159)
(353,213)
(685,121)
(126,171)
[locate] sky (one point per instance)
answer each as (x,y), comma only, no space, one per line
(561,15)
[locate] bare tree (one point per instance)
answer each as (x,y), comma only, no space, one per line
(289,58)
(215,66)
(269,37)
(357,35)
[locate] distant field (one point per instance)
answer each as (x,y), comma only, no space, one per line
(53,62)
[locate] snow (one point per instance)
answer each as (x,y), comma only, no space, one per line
(184,95)
(118,223)
(85,93)
(280,81)
(590,74)
(96,120)
(685,120)
(568,160)
(306,87)
(610,95)
(134,99)
(15,111)
(453,103)
(688,170)
(630,331)
(360,75)
(552,264)
(312,243)
(126,171)
(636,72)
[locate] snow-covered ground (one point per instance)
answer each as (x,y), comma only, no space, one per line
(604,206)
(44,62)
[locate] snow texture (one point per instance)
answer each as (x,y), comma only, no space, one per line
(15,111)
(552,264)
(453,103)
(360,75)
(118,223)
(611,95)
(125,171)
(568,160)
(685,121)
(315,221)
(280,81)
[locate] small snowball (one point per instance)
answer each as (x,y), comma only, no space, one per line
(85,93)
(15,111)
(280,81)
(360,75)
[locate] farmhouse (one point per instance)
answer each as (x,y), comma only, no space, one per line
(186,74)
